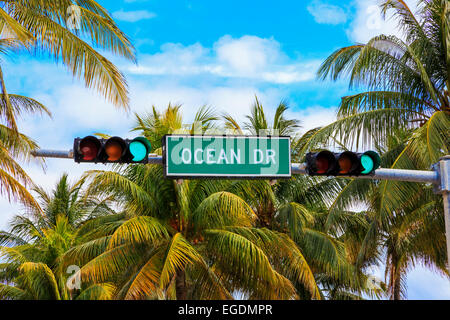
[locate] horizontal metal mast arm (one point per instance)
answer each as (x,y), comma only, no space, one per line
(404,175)
(152,158)
(387,174)
(297,168)
(52,154)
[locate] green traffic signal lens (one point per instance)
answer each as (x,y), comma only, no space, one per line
(367,163)
(138,151)
(370,161)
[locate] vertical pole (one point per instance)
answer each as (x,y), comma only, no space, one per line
(444,168)
(446,196)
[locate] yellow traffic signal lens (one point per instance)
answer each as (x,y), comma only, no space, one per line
(114,151)
(345,163)
(348,163)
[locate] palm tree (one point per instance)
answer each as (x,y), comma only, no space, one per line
(31,251)
(14,181)
(413,233)
(32,270)
(155,125)
(193,239)
(196,239)
(258,123)
(299,208)
(46,27)
(407,82)
(15,146)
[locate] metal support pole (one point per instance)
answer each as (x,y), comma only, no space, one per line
(52,154)
(404,175)
(446,199)
(387,174)
(155,159)
(444,188)
(152,158)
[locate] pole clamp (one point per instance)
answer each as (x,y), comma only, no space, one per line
(443,169)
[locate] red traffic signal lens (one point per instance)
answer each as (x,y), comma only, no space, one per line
(115,149)
(89,148)
(322,165)
(324,162)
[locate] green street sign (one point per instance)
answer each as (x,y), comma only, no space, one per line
(226,157)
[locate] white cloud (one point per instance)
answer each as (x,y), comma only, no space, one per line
(424,284)
(248,57)
(248,54)
(368,21)
(325,13)
(74,110)
(234,100)
(133,16)
(314,116)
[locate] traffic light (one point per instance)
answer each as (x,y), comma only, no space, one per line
(113,150)
(326,163)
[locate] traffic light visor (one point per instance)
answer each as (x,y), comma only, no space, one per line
(89,148)
(325,162)
(115,149)
(370,161)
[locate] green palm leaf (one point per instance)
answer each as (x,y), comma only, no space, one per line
(178,255)
(222,209)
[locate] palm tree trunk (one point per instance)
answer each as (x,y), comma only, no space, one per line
(180,285)
(395,278)
(396,295)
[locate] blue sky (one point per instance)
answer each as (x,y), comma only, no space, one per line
(219,53)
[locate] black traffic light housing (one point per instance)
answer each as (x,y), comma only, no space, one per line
(113,150)
(326,163)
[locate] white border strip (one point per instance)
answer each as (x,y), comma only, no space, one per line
(206,175)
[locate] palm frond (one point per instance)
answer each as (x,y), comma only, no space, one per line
(222,209)
(178,255)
